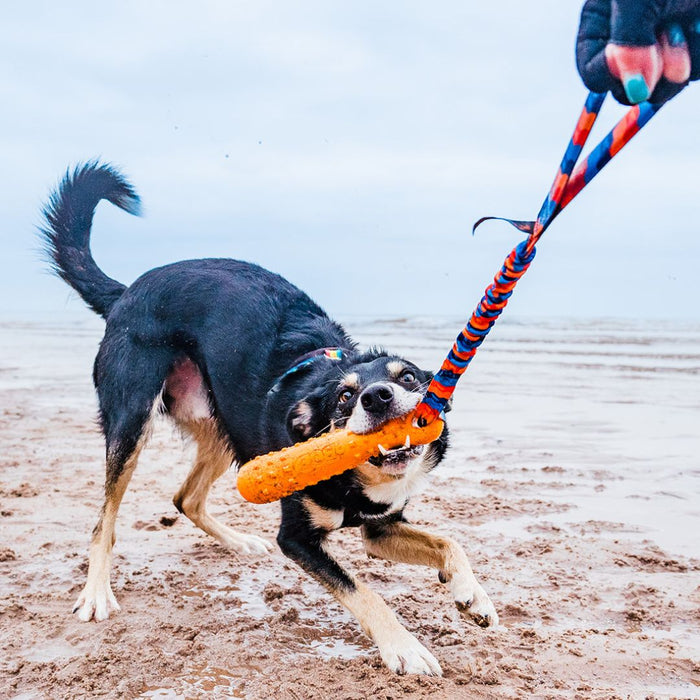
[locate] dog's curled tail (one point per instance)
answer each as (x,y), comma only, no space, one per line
(66,232)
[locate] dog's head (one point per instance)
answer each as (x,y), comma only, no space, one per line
(362,394)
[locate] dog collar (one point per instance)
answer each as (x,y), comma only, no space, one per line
(334,354)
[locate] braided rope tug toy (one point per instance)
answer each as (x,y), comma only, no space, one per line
(278,474)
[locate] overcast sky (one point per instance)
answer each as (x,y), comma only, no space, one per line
(349,146)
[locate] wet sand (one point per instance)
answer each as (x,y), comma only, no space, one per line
(573,482)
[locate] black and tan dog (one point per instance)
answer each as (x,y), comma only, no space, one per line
(246,363)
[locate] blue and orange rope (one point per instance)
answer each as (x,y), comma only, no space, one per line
(278,474)
(567,184)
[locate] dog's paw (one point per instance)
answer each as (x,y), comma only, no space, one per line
(95,601)
(471,599)
(480,609)
(245,544)
(406,654)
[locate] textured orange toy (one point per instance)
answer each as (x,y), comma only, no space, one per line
(275,475)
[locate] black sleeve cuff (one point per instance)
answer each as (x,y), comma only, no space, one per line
(633,22)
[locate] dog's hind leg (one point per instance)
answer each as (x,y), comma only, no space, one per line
(96,599)
(128,383)
(214,457)
(401,542)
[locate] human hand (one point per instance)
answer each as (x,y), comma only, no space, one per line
(639,49)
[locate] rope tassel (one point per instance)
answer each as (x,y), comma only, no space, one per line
(564,188)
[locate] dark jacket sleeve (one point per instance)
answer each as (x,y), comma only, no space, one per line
(634,22)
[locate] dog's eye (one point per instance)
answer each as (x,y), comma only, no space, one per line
(345,396)
(408,377)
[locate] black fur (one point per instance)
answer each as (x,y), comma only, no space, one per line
(298,537)
(243,327)
(67,231)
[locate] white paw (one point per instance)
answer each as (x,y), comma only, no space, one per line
(245,544)
(95,601)
(405,654)
(471,600)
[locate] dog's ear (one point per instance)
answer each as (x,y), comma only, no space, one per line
(305,418)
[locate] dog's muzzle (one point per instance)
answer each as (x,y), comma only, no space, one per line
(377,399)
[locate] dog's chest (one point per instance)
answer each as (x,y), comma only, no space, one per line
(396,492)
(356,498)
(377,501)
(390,493)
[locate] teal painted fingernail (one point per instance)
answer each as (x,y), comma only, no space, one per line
(696,26)
(636,88)
(675,34)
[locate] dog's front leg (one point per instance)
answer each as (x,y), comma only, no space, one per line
(401,542)
(399,649)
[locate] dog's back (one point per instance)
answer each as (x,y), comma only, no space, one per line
(238,323)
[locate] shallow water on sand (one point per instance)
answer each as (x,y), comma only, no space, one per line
(573,481)
(617,402)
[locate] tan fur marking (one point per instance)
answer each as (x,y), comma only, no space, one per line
(395,368)
(96,599)
(404,543)
(408,544)
(302,418)
(392,489)
(104,532)
(351,381)
(399,649)
(323,518)
(214,457)
(375,617)
(373,476)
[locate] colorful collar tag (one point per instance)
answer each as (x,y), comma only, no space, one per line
(334,354)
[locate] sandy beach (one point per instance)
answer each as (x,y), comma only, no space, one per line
(573,481)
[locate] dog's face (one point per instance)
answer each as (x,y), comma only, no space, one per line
(361,397)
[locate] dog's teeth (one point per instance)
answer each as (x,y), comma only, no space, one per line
(408,441)
(383,449)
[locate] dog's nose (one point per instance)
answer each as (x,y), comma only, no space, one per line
(376,398)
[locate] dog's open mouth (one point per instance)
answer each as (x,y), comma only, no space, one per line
(395,461)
